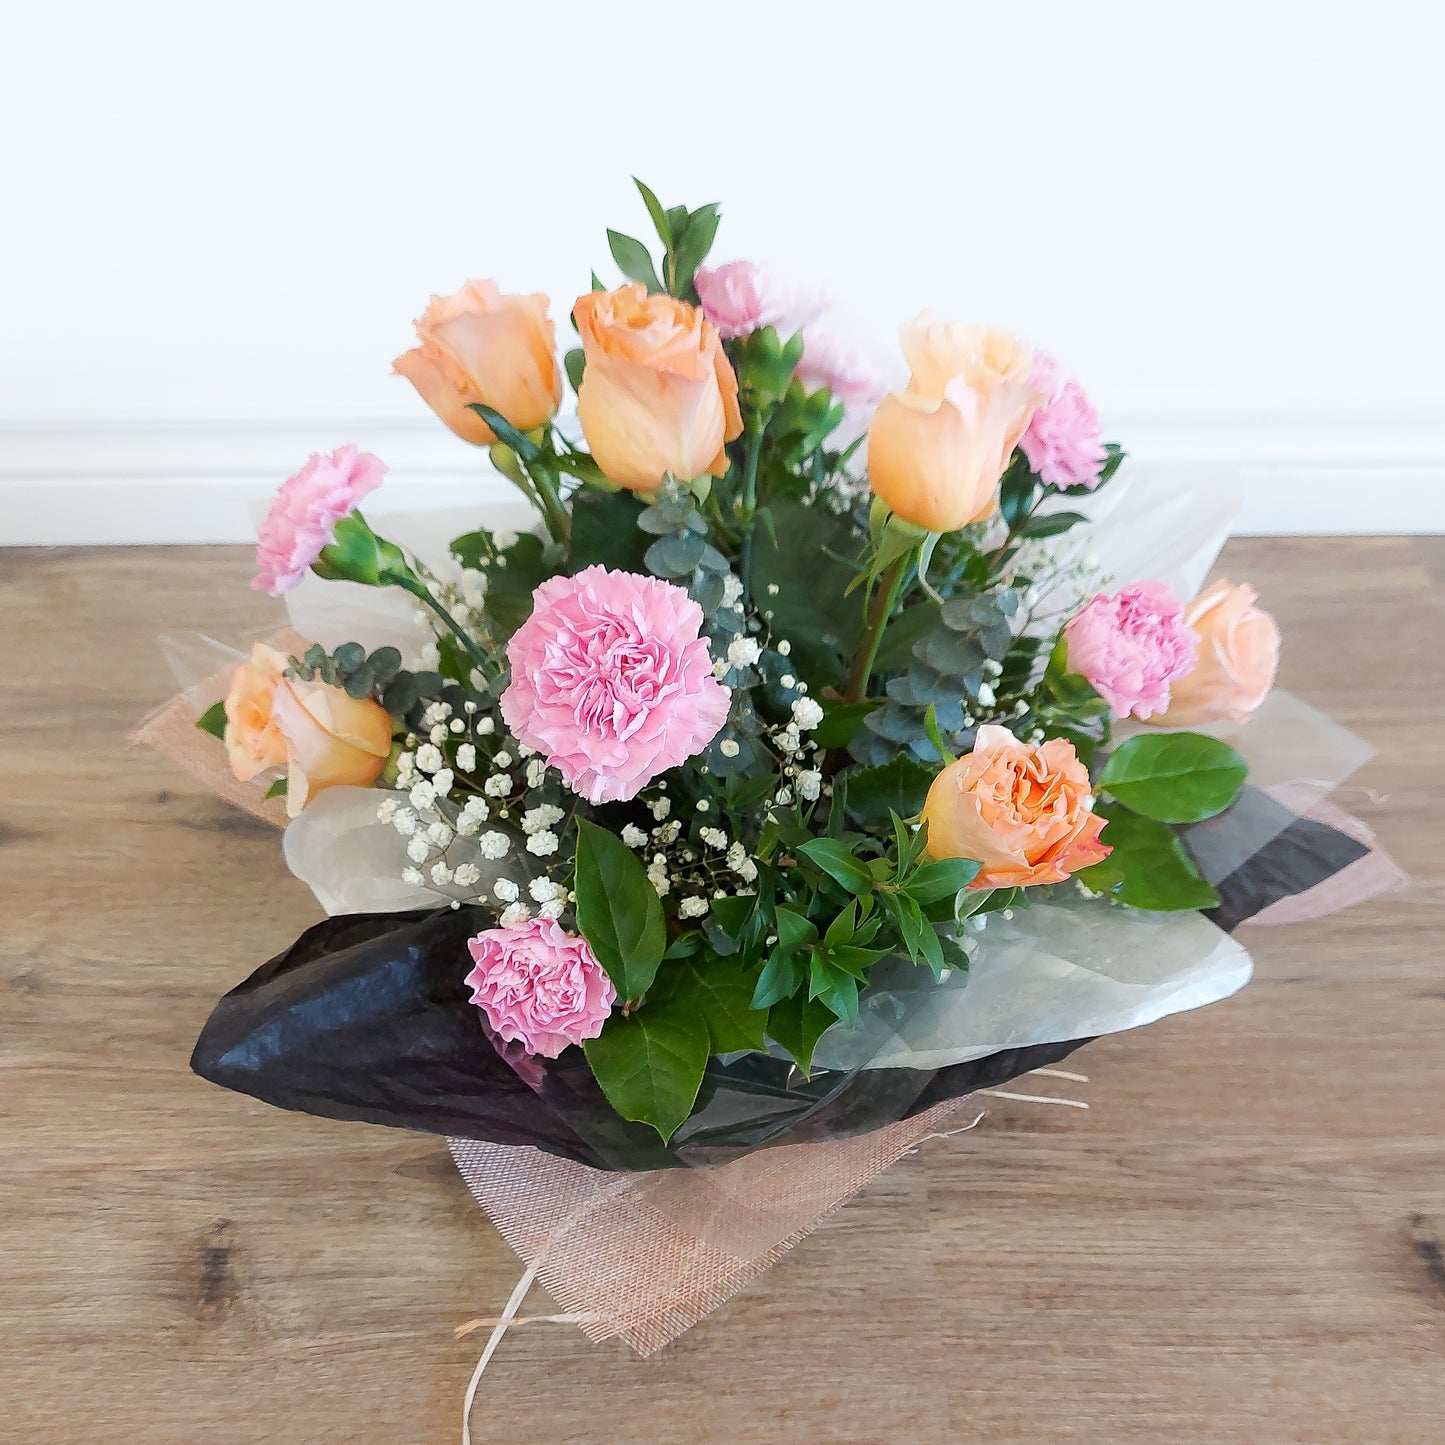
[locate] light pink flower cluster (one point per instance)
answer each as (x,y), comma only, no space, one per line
(539,986)
(612,681)
(845,370)
(1064,442)
(1130,645)
(302,520)
(741,297)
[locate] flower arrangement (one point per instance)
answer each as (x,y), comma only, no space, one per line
(756,722)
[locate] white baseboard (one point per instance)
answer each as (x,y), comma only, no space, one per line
(70,484)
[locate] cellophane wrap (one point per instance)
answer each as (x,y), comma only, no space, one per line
(366,1019)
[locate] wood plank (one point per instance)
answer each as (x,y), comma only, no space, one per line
(1241,1241)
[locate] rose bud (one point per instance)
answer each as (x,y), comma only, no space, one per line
(483,346)
(936,451)
(1238,659)
(253,740)
(332,739)
(658,394)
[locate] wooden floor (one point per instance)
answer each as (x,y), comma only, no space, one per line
(1243,1240)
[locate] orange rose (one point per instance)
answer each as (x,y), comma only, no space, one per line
(658,394)
(332,739)
(1238,659)
(253,741)
(1021,810)
(937,450)
(480,345)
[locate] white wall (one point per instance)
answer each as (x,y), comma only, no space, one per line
(219,220)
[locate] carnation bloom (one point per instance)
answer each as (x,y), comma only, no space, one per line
(1064,442)
(539,986)
(741,297)
(845,370)
(302,520)
(1024,811)
(612,681)
(1238,659)
(1130,645)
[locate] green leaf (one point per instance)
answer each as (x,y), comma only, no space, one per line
(506,433)
(899,786)
(618,910)
(797,1024)
(510,582)
(633,260)
(655,210)
(782,976)
(720,992)
(277,789)
(838,862)
(650,1063)
(1051,524)
(692,246)
(941,879)
(1174,777)
(213,720)
(1148,867)
(604,531)
(575,363)
(833,986)
(841,722)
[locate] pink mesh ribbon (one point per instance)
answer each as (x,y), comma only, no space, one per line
(646,1256)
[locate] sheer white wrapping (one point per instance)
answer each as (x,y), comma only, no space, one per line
(1058,971)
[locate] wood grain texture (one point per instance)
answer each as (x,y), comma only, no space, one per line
(1244,1240)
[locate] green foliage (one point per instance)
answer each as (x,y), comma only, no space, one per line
(1148,867)
(513,574)
(835,859)
(350,667)
(649,1063)
(809,607)
(797,1024)
(213,720)
(618,911)
(277,789)
(1174,777)
(605,531)
(898,786)
(720,992)
(686,236)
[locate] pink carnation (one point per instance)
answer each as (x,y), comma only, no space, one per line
(303,518)
(1130,646)
(612,681)
(1064,443)
(843,369)
(741,297)
(539,986)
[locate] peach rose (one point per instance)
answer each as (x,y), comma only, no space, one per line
(332,739)
(658,394)
(480,345)
(1020,809)
(253,741)
(1238,659)
(937,450)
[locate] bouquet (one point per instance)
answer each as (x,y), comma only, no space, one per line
(815,751)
